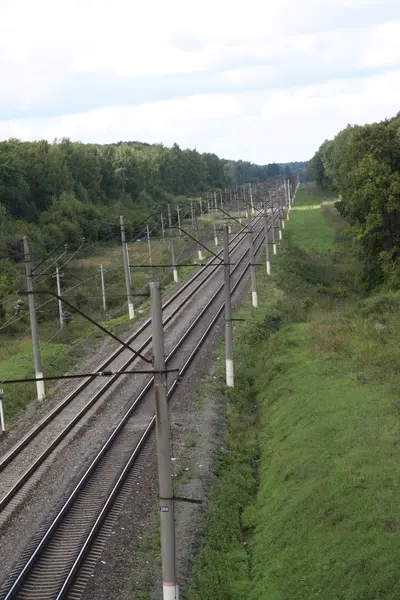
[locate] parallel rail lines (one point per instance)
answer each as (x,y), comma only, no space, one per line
(53,565)
(32,436)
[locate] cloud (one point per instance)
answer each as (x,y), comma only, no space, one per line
(276,125)
(245,83)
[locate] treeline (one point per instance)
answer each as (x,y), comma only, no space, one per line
(64,191)
(362,164)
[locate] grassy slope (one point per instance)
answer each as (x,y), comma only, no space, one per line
(328,522)
(318,371)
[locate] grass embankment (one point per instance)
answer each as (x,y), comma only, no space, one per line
(307,504)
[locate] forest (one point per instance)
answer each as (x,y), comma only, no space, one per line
(362,165)
(63,192)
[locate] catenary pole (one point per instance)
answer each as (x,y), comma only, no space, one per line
(170,217)
(196,229)
(2,421)
(34,327)
(174,269)
(166,496)
(215,229)
(254,296)
(228,312)
(267,257)
(274,248)
(126,251)
(238,206)
(60,308)
(178,214)
(129,298)
(162,230)
(251,199)
(103,288)
(149,246)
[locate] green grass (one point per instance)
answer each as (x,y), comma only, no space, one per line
(309,230)
(328,519)
(20,366)
(306,504)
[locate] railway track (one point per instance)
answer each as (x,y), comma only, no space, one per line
(51,568)
(42,440)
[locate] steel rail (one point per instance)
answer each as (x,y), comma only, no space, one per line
(125,471)
(108,444)
(6,499)
(15,451)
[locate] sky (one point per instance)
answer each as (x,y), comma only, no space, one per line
(260,80)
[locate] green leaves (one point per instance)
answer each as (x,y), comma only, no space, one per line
(362,164)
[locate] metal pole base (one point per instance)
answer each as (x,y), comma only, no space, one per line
(268,267)
(175,272)
(275,250)
(131,311)
(254,299)
(216,241)
(200,254)
(40,387)
(229,373)
(170,591)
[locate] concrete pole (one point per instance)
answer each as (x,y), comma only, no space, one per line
(201,206)
(238,207)
(162,230)
(125,251)
(166,494)
(34,327)
(192,214)
(196,229)
(254,296)
(267,258)
(274,248)
(289,200)
(228,313)
(174,269)
(60,308)
(2,422)
(149,246)
(131,310)
(277,215)
(283,204)
(215,201)
(178,212)
(170,217)
(128,262)
(251,200)
(208,204)
(215,231)
(220,197)
(281,192)
(103,288)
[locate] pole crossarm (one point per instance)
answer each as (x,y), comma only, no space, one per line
(75,308)
(197,241)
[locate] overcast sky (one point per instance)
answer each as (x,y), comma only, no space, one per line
(265,81)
